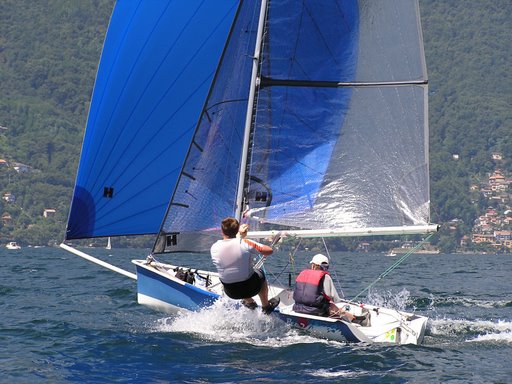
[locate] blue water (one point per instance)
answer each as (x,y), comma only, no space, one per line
(64,320)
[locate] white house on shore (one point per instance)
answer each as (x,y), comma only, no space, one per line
(49,212)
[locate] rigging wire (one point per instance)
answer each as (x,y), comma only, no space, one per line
(291,263)
(392,267)
(336,280)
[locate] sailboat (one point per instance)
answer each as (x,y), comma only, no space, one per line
(300,118)
(12,245)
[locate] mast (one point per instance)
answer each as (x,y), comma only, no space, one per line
(250,108)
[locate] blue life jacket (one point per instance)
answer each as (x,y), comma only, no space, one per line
(308,293)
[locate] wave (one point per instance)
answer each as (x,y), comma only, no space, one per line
(471,330)
(225,321)
(467,302)
(4,290)
(403,300)
(498,337)
(334,374)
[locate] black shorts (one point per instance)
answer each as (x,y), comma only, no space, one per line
(244,289)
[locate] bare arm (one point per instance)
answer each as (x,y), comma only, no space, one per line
(265,250)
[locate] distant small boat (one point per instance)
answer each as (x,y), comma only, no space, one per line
(12,245)
(391,253)
(109,244)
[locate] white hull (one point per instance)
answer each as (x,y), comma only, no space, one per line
(12,245)
(386,325)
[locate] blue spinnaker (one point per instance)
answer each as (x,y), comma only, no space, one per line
(156,69)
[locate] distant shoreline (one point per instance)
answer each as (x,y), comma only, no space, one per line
(423,251)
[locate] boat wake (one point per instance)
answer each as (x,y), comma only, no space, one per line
(226,321)
(472,330)
(467,302)
(404,301)
(441,328)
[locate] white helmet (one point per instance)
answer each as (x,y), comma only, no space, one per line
(319,259)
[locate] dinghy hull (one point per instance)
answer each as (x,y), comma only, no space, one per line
(385,326)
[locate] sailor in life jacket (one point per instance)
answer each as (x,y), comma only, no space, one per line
(315,293)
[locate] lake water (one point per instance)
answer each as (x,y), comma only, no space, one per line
(64,320)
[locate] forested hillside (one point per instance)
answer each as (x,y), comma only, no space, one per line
(49,50)
(467,46)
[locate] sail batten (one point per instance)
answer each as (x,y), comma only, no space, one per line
(266,82)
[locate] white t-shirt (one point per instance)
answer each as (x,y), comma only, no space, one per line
(234,259)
